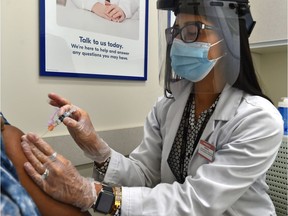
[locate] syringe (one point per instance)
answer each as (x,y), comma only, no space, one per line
(53,123)
(60,119)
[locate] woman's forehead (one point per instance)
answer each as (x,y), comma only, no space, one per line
(183,18)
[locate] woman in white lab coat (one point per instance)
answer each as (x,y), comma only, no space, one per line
(207,144)
(114,10)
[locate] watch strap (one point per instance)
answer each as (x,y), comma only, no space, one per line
(105,200)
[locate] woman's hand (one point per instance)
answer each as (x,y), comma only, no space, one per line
(82,130)
(57,101)
(115,13)
(100,10)
(56,175)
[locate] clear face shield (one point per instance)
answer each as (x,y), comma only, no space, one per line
(202,45)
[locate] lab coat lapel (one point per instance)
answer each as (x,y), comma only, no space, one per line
(227,105)
(181,91)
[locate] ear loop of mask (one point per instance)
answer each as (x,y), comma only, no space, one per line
(214,44)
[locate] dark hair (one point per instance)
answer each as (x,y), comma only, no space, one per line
(247,79)
(168,77)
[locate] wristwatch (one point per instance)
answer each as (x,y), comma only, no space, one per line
(105,200)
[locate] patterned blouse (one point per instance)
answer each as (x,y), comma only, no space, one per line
(187,137)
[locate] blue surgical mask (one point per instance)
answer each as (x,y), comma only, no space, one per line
(190,60)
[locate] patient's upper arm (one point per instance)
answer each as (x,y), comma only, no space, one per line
(46,205)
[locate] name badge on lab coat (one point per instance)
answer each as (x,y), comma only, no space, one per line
(206,150)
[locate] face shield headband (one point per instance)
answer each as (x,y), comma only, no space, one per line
(240,7)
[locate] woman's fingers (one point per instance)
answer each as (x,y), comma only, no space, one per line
(37,151)
(115,13)
(70,123)
(36,177)
(38,166)
(40,144)
(57,100)
(72,111)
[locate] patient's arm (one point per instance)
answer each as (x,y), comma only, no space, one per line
(46,205)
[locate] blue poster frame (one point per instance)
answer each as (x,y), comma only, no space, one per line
(42,53)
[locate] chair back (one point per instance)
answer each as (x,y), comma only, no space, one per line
(276,178)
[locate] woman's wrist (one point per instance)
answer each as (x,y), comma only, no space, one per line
(95,190)
(98,187)
(111,207)
(90,194)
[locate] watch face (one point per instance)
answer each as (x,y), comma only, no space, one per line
(104,202)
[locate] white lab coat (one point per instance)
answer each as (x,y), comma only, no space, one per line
(130,7)
(247,132)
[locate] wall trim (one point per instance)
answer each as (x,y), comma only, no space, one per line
(121,140)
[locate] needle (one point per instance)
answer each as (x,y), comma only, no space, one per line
(58,121)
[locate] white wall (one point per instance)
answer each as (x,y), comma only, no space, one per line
(275,75)
(112,104)
(271,20)
(271,67)
(269,41)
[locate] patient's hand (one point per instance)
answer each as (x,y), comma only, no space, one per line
(115,13)
(100,10)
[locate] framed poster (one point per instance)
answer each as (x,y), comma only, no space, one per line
(76,42)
